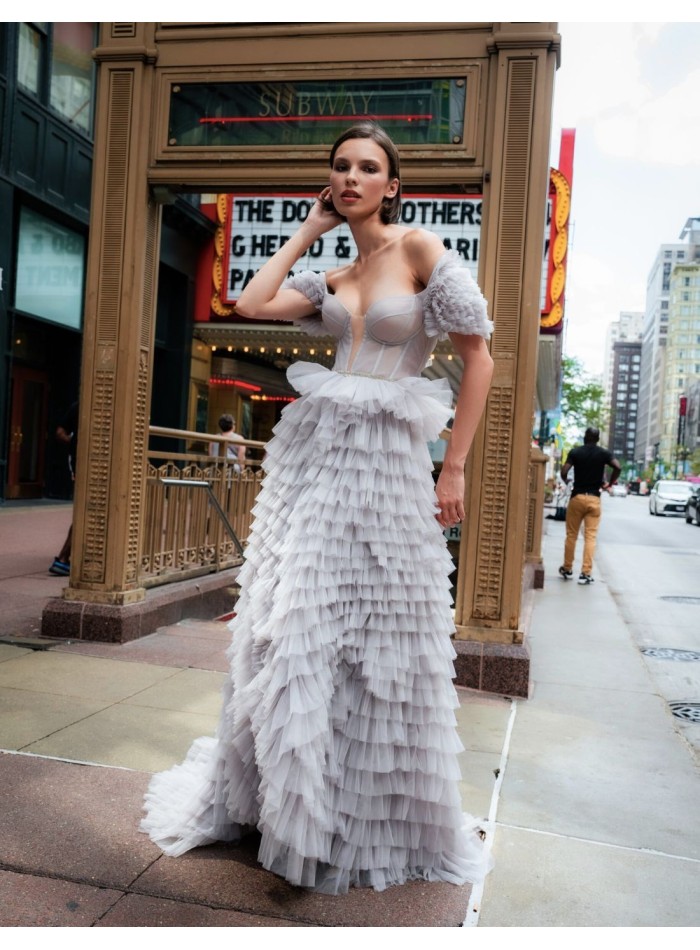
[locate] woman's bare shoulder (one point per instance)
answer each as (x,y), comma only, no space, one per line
(423,250)
(336,275)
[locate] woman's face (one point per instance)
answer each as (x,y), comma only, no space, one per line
(359,178)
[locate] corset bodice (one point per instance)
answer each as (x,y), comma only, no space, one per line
(397,333)
(394,342)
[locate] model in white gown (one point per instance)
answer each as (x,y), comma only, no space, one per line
(337,736)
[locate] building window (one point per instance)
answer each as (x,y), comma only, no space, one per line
(668,254)
(54,63)
(72,72)
(680,255)
(30,54)
(50,268)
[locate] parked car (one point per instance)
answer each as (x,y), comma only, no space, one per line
(669,497)
(692,507)
(618,490)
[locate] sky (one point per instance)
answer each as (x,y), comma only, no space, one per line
(636,163)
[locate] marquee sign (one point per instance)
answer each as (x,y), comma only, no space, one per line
(256,226)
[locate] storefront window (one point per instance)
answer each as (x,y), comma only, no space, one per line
(427,110)
(72,71)
(50,266)
(30,42)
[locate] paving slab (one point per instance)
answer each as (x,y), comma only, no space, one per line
(86,677)
(165,649)
(134,910)
(602,764)
(195,691)
(24,720)
(74,822)
(549,881)
(229,876)
(482,720)
(479,772)
(577,665)
(11,652)
(30,901)
(204,629)
(134,737)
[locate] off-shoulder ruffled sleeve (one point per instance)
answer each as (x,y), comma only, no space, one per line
(453,301)
(313,287)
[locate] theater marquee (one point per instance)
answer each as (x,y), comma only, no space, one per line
(258,225)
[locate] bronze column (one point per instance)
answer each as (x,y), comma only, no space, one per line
(492,552)
(119,325)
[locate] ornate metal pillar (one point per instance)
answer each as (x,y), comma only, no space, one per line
(492,553)
(119,326)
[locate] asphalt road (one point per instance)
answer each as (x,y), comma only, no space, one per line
(652,566)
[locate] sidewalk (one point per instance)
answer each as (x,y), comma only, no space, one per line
(591,795)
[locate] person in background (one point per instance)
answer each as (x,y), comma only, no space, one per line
(589,462)
(233,450)
(67,433)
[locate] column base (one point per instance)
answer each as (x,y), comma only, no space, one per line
(493,667)
(201,597)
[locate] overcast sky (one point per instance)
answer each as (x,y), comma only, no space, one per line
(632,92)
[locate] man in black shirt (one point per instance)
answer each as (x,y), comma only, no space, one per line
(589,462)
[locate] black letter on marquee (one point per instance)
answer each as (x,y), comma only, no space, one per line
(341,247)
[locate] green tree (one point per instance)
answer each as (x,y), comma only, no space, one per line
(695,462)
(581,398)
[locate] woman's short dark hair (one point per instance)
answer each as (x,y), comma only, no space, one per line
(391,207)
(226,422)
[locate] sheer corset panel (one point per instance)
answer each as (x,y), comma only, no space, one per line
(389,340)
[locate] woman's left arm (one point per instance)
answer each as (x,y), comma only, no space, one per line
(473,390)
(424,250)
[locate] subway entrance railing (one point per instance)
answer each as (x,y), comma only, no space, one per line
(197,506)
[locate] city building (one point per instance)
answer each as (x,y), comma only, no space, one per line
(628,328)
(624,399)
(656,328)
(692,421)
(682,357)
(47,117)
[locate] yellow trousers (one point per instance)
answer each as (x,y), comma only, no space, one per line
(586,509)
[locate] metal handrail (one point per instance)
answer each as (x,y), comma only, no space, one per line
(196,483)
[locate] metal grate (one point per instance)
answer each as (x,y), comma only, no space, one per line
(671,653)
(688,711)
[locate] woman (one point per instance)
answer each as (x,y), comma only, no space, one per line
(337,737)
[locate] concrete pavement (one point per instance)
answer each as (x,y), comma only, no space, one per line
(589,792)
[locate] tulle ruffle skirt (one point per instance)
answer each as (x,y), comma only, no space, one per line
(337,737)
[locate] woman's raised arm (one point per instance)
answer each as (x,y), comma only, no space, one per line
(262,298)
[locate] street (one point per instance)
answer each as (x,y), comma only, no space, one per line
(652,565)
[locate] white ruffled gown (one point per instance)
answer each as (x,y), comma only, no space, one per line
(337,736)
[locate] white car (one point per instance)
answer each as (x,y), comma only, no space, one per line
(618,490)
(669,497)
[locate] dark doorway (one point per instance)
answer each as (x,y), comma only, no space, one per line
(26,469)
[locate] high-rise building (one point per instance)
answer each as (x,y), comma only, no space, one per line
(656,323)
(628,328)
(627,357)
(682,358)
